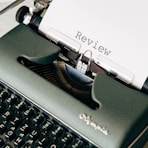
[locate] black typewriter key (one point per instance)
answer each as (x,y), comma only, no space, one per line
(28,145)
(1,118)
(19,106)
(56,132)
(7,146)
(37,119)
(28,112)
(34,133)
(15,121)
(3,106)
(1,142)
(46,126)
(77,144)
(4,95)
(1,88)
(3,126)
(19,140)
(10,100)
(54,145)
(42,141)
(24,128)
(65,140)
(7,114)
(10,134)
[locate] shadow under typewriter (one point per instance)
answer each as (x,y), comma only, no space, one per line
(65,77)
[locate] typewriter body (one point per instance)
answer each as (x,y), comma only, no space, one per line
(97,111)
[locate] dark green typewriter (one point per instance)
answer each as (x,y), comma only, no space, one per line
(45,102)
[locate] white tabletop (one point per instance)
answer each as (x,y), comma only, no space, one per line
(7,19)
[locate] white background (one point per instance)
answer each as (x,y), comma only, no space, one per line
(7,20)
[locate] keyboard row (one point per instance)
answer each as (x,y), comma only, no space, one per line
(25,124)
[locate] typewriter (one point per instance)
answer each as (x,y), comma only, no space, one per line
(54,97)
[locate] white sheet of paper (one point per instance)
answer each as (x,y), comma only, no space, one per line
(116,30)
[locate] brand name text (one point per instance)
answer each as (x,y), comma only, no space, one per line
(89,121)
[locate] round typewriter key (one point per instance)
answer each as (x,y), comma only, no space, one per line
(1,142)
(10,134)
(5,95)
(7,146)
(19,140)
(1,88)
(3,106)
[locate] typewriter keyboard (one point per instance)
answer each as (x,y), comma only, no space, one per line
(25,125)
